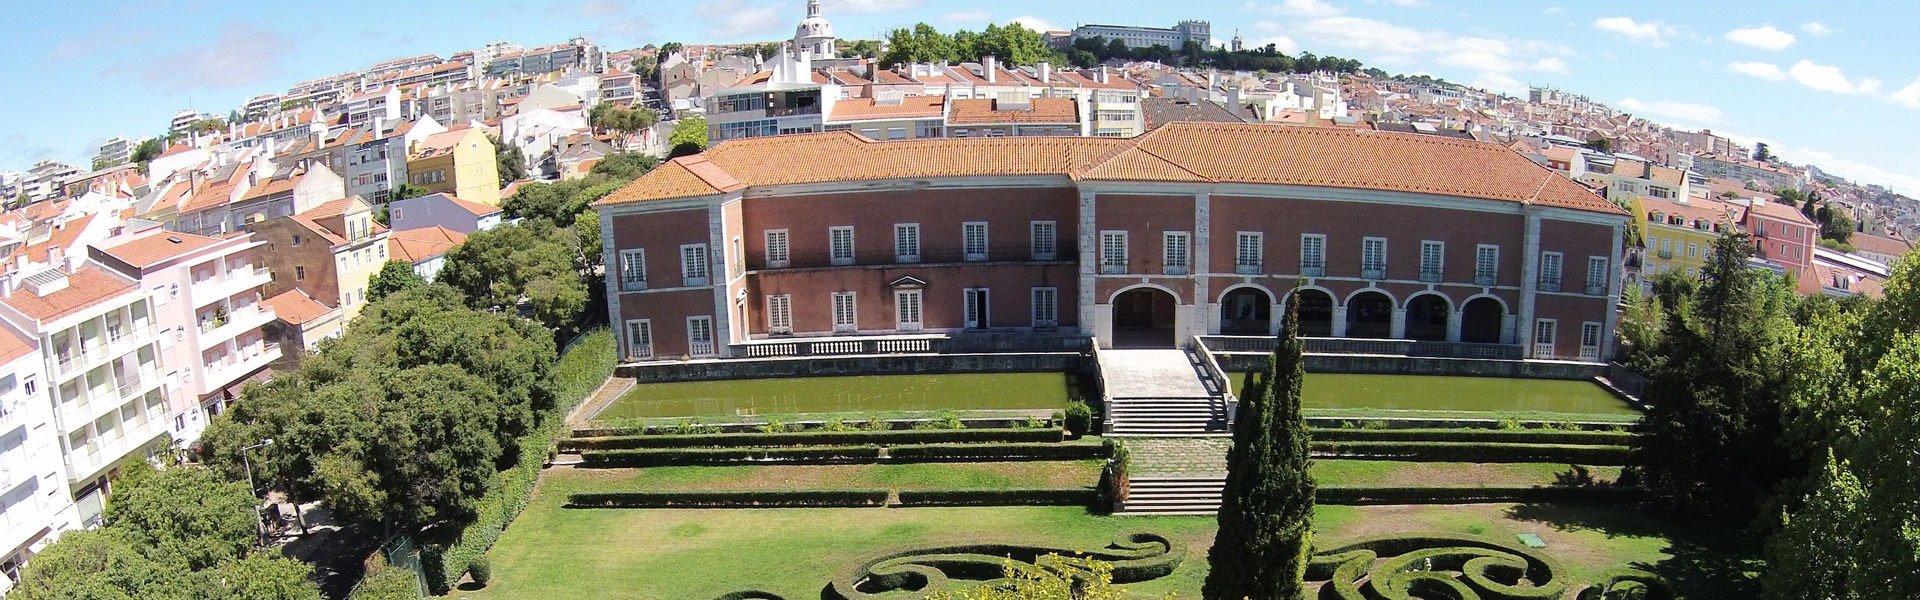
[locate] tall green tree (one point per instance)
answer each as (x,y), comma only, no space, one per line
(533,261)
(510,161)
(1266,509)
(689,136)
(624,166)
(920,44)
(185,515)
(395,276)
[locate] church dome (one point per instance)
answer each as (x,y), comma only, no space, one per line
(814,26)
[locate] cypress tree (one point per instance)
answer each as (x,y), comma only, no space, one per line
(1266,510)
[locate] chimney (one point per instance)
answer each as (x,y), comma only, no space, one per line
(992,67)
(1046,72)
(273,146)
(1103,73)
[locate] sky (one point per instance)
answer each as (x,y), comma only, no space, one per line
(1835,83)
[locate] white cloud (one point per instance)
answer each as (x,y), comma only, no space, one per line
(1651,33)
(1406,3)
(868,6)
(735,19)
(1499,83)
(1764,38)
(1698,114)
(1556,10)
(1284,44)
(1763,70)
(1908,96)
(1034,23)
(1868,86)
(1297,8)
(1828,78)
(1391,44)
(967,17)
(242,55)
(1551,64)
(1905,183)
(1816,28)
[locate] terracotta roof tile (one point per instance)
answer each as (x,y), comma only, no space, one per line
(295,307)
(13,346)
(159,247)
(861,109)
(978,111)
(415,245)
(87,286)
(1880,244)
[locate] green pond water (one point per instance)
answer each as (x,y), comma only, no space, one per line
(865,393)
(1469,394)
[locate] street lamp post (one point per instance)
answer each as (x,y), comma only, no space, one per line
(259,530)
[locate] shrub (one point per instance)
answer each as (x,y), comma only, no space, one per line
(996,452)
(1356,494)
(946,420)
(1423,566)
(835,426)
(1476,452)
(662,457)
(776,426)
(729,499)
(816,438)
(481,570)
(1516,436)
(876,424)
(1077,496)
(1135,556)
(1373,424)
(1079,418)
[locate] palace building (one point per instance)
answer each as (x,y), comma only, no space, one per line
(1190,229)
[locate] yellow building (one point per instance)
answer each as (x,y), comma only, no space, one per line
(460,162)
(1677,235)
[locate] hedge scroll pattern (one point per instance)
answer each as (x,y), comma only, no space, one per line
(1435,566)
(917,570)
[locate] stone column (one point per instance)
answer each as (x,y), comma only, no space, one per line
(1529,280)
(1339,321)
(1453,326)
(1093,322)
(1398,328)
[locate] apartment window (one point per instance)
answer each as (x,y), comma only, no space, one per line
(779,313)
(639,338)
(776,248)
(736,258)
(1433,258)
(1043,240)
(1247,247)
(299,273)
(296,240)
(973,239)
(1486,264)
(1666,247)
(1113,252)
(633,270)
(906,242)
(906,310)
(844,319)
(1373,258)
(1175,251)
(1693,250)
(1596,275)
(1543,332)
(1550,271)
(693,264)
(1046,307)
(840,245)
(1590,341)
(700,336)
(1313,255)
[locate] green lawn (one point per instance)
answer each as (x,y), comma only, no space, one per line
(556,552)
(863,393)
(1456,394)
(1404,473)
(916,476)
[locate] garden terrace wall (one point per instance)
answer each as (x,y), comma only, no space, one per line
(1475,452)
(1242,362)
(608,430)
(1356,495)
(1079,496)
(1511,436)
(664,457)
(817,438)
(998,452)
(729,499)
(822,366)
(1452,423)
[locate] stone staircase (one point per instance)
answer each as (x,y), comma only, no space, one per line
(1159,393)
(1169,495)
(1166,417)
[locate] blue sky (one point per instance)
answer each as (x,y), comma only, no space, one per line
(1833,83)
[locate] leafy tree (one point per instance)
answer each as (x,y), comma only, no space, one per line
(920,44)
(386,582)
(393,277)
(90,564)
(511,162)
(408,190)
(863,49)
(689,136)
(148,150)
(500,267)
(625,165)
(608,117)
(646,68)
(208,125)
(186,515)
(1266,510)
(1762,153)
(1602,145)
(559,202)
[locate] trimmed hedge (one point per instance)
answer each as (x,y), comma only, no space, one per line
(816,438)
(662,457)
(1135,556)
(580,371)
(1624,583)
(1488,569)
(1077,496)
(1360,494)
(1512,436)
(729,499)
(1477,452)
(997,452)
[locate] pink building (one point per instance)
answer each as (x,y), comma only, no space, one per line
(1783,237)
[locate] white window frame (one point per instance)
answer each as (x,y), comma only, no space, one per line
(1486,264)
(973,240)
(1249,249)
(1373,262)
(909,309)
(846,312)
(1176,252)
(640,346)
(693,265)
(1590,330)
(1113,251)
(835,254)
(1551,275)
(1597,275)
(633,269)
(1045,239)
(1544,348)
(1313,254)
(906,242)
(697,347)
(779,314)
(1433,260)
(1046,307)
(779,249)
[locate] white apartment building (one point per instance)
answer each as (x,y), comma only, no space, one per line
(115,150)
(1174,37)
(35,501)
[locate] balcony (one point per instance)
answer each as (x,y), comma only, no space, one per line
(1313,270)
(1175,270)
(1596,289)
(1486,279)
(632,285)
(213,289)
(1247,269)
(100,452)
(1113,269)
(1549,285)
(700,349)
(94,402)
(1664,254)
(1377,273)
(1429,276)
(217,331)
(119,342)
(236,366)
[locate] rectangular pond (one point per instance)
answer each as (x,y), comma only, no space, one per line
(1463,394)
(863,393)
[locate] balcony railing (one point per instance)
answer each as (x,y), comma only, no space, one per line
(1313,270)
(1549,285)
(1485,279)
(700,349)
(1412,348)
(632,285)
(1596,289)
(910,344)
(1664,254)
(1175,270)
(1247,269)
(1112,269)
(1373,273)
(1429,276)
(925,255)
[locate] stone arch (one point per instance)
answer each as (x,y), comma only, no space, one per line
(1483,319)
(1428,315)
(1145,316)
(1246,309)
(1316,310)
(1370,314)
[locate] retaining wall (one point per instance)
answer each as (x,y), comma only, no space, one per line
(1408,365)
(822,366)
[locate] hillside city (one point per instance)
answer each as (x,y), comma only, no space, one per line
(369,315)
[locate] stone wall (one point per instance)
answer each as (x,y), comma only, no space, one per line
(820,366)
(1406,365)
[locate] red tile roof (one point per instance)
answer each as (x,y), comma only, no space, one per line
(415,245)
(295,307)
(88,286)
(1216,152)
(978,111)
(863,109)
(13,346)
(159,247)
